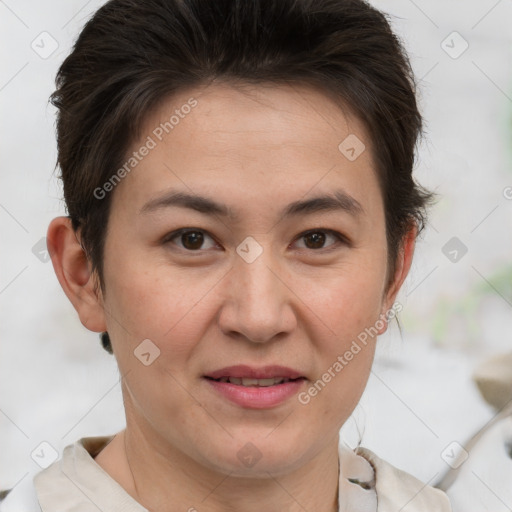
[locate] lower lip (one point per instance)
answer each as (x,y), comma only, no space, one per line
(254,397)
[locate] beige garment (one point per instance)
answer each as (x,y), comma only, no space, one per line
(494,380)
(398,491)
(76,483)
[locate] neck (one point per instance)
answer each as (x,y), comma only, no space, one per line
(168,481)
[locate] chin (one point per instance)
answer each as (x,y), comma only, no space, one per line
(257,456)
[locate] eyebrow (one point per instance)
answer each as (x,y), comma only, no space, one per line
(339,200)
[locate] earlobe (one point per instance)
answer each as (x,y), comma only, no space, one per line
(73,271)
(403,266)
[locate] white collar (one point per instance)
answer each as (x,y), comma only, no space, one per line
(367,484)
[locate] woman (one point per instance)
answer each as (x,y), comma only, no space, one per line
(242,215)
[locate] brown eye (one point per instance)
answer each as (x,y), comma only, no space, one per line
(316,239)
(191,239)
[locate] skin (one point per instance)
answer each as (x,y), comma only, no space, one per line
(255,150)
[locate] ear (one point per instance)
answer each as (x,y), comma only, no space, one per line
(403,265)
(73,271)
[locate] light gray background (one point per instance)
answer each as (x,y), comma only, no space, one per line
(59,385)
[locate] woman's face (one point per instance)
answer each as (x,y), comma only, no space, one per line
(247,292)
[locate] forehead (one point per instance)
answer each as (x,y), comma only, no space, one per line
(281,142)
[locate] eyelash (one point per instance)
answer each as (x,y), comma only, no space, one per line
(340,238)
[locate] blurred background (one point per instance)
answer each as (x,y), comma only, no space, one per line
(58,384)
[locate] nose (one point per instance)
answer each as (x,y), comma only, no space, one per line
(259,302)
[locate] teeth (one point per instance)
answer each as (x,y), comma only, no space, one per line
(250,382)
(246,381)
(263,382)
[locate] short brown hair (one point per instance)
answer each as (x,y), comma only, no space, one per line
(132,54)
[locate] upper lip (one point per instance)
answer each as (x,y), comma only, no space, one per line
(265,372)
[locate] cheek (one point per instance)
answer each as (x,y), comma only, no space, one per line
(147,298)
(349,298)
(348,306)
(164,308)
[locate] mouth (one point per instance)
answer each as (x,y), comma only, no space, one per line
(249,382)
(255,388)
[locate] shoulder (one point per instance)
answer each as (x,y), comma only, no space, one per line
(399,490)
(54,487)
(21,498)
